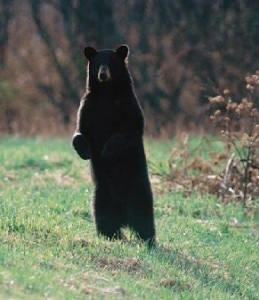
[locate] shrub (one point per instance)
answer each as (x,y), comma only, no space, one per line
(239,124)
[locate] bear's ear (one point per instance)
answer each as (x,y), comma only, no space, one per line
(123,51)
(90,52)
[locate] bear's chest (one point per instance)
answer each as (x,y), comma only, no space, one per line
(106,119)
(109,113)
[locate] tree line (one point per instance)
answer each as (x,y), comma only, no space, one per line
(182,52)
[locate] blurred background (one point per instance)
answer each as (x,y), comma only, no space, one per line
(182,52)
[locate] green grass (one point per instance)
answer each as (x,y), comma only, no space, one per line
(49,248)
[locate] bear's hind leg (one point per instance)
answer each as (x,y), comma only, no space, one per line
(108,216)
(141,220)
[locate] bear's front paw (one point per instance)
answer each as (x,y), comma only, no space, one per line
(113,147)
(107,151)
(81,146)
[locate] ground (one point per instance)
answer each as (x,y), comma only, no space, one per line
(207,250)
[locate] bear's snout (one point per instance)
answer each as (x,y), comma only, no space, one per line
(104,73)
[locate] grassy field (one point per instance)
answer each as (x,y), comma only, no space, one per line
(49,249)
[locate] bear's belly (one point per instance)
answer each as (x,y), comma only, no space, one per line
(122,169)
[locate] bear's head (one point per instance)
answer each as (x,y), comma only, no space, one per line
(107,66)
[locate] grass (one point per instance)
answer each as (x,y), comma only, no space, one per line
(49,249)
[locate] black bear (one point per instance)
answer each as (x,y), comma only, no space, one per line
(109,132)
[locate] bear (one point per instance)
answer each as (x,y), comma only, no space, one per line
(109,132)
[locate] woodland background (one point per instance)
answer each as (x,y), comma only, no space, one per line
(182,52)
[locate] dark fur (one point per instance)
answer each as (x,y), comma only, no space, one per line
(110,133)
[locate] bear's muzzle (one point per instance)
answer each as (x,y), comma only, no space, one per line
(104,74)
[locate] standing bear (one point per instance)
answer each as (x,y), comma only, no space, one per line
(109,132)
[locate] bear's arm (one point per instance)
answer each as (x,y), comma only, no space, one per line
(79,140)
(129,133)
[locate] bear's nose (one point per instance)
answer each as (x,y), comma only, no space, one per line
(103,76)
(104,73)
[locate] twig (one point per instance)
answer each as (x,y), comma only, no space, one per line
(225,184)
